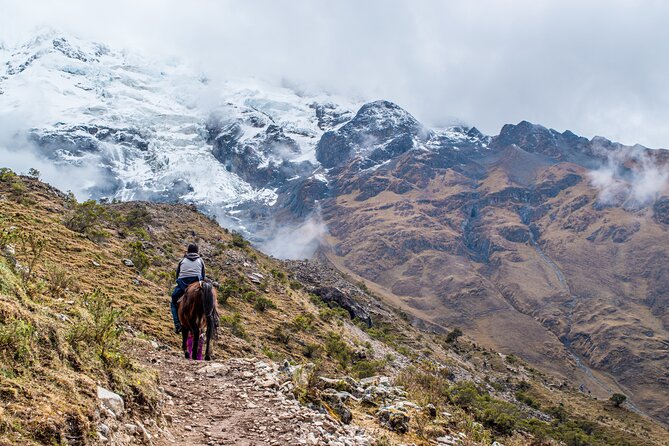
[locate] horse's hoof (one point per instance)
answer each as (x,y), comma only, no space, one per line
(187,355)
(207,358)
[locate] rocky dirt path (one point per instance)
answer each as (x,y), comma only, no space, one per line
(239,401)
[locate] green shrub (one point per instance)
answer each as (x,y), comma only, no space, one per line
(464,394)
(263,304)
(138,217)
(31,249)
(311,350)
(525,398)
(328,314)
(87,218)
(280,275)
(100,328)
(295,285)
(281,334)
(58,280)
(453,336)
(234,323)
(238,240)
(338,350)
(16,339)
(368,367)
(512,359)
(139,256)
(617,399)
(17,189)
(232,287)
(304,322)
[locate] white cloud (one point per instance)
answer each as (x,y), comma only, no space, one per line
(595,67)
(631,177)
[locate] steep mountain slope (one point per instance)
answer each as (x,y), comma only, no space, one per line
(512,242)
(74,315)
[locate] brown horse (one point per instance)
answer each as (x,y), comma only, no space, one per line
(197,310)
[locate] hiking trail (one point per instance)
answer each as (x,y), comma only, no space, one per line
(235,401)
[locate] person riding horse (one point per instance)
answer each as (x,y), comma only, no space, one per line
(189,270)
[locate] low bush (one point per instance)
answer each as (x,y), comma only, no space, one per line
(234,323)
(31,250)
(263,304)
(16,339)
(87,218)
(281,334)
(139,256)
(368,367)
(338,350)
(311,350)
(304,322)
(238,240)
(99,328)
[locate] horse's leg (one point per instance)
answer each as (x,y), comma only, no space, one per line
(184,340)
(196,340)
(210,322)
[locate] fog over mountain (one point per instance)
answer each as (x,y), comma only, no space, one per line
(594,67)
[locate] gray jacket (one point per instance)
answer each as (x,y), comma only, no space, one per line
(191,265)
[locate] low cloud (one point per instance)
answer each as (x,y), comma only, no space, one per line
(298,241)
(18,153)
(631,177)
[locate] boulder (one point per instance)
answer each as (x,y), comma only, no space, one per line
(394,419)
(334,296)
(111,401)
(335,401)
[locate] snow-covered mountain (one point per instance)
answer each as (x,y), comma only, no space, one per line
(245,151)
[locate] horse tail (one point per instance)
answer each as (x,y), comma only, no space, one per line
(209,306)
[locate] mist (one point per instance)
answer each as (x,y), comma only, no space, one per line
(18,153)
(295,242)
(631,177)
(596,67)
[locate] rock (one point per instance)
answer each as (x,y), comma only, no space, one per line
(431,410)
(333,295)
(130,428)
(395,419)
(146,436)
(103,429)
(111,401)
(213,369)
(335,402)
(129,263)
(95,263)
(256,277)
(448,440)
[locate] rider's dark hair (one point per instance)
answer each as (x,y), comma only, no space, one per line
(192,248)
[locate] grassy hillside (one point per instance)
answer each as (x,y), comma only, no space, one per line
(70,308)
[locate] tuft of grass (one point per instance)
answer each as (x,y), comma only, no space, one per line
(58,280)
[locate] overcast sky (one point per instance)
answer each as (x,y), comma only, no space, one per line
(595,67)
